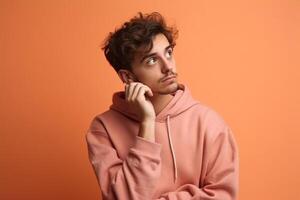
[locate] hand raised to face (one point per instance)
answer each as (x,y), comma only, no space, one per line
(136,94)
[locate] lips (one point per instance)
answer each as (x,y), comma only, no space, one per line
(168,77)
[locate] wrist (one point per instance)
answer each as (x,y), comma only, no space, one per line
(147,121)
(147,129)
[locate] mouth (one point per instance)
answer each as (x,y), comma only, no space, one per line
(168,77)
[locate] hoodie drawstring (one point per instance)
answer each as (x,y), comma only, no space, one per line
(172,150)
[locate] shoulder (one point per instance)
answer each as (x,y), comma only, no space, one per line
(208,114)
(107,118)
(213,123)
(97,121)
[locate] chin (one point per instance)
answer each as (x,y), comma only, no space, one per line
(169,89)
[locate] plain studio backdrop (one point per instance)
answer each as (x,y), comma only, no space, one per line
(239,57)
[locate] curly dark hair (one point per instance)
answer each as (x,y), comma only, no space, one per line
(121,46)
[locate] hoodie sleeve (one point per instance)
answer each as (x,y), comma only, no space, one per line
(221,180)
(134,177)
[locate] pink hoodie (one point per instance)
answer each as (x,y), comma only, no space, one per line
(194,156)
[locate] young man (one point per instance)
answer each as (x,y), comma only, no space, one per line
(156,141)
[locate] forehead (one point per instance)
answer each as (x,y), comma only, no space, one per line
(159,41)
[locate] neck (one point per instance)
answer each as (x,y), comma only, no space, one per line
(160,101)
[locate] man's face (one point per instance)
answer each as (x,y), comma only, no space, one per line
(152,68)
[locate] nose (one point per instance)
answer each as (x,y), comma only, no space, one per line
(167,65)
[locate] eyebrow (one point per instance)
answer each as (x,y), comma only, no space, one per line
(152,54)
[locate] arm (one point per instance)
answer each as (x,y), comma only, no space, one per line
(132,178)
(221,181)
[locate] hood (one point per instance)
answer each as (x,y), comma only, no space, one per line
(181,102)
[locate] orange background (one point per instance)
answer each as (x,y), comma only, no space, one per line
(239,57)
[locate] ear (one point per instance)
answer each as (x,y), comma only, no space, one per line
(126,76)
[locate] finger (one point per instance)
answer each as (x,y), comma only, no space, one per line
(135,91)
(141,93)
(148,91)
(130,90)
(126,90)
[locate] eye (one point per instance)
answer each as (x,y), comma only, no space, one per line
(170,52)
(151,61)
